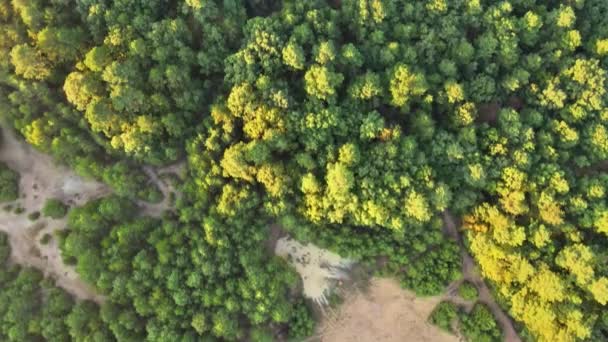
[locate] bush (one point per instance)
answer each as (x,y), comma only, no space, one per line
(5,248)
(151,195)
(260,335)
(34,216)
(301,323)
(468,291)
(443,315)
(46,239)
(480,325)
(54,208)
(9,184)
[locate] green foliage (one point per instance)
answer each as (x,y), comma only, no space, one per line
(431,271)
(354,126)
(301,324)
(208,287)
(468,291)
(34,309)
(33,216)
(5,249)
(480,325)
(54,208)
(444,315)
(9,184)
(46,238)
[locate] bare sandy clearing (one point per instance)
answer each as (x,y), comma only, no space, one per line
(386,313)
(40,179)
(317,267)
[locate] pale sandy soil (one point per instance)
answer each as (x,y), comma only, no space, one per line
(385,313)
(388,313)
(317,267)
(40,179)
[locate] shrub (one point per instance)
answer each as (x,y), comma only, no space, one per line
(54,208)
(46,239)
(301,323)
(443,315)
(468,291)
(9,184)
(480,325)
(33,216)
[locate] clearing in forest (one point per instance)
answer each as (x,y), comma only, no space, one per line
(384,313)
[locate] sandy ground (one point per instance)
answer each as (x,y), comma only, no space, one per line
(317,267)
(388,313)
(40,179)
(385,313)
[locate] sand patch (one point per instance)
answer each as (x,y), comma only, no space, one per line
(41,178)
(317,267)
(384,313)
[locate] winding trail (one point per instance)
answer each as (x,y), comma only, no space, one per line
(469,270)
(41,178)
(157,209)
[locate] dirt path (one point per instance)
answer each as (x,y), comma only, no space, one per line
(41,178)
(385,313)
(470,273)
(157,209)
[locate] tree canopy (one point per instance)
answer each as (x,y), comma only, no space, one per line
(354,124)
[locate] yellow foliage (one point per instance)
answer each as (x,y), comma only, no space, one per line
(146,124)
(35,134)
(313,208)
(601,47)
(559,183)
(514,202)
(513,178)
(454,91)
(599,289)
(547,285)
(497,264)
(470,222)
(576,325)
(601,222)
(498,149)
(541,237)
(577,259)
(263,123)
(310,185)
(538,316)
(439,6)
(416,206)
(476,172)
(373,214)
(548,322)
(512,235)
(550,211)
(596,191)
(273,178)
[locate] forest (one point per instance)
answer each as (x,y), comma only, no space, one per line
(354,124)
